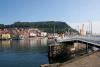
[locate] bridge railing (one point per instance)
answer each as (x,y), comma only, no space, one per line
(93,38)
(89,38)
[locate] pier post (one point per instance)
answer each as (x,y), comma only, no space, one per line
(87,48)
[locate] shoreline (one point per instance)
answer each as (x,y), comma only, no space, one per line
(72,62)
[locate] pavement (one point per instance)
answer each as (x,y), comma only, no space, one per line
(92,60)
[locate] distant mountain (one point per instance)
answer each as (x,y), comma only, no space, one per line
(46,26)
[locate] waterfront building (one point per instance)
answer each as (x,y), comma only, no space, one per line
(5,36)
(82,31)
(43,34)
(31,34)
(21,33)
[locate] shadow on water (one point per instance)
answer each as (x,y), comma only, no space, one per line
(65,52)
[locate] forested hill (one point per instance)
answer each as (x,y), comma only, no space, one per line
(46,26)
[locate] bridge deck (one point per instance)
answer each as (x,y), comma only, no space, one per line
(91,40)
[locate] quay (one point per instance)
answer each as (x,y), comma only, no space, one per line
(92,60)
(77,44)
(56,50)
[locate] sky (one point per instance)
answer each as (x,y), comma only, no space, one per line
(73,12)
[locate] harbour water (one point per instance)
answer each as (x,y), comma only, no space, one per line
(23,53)
(33,52)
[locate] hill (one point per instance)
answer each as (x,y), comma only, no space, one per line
(46,26)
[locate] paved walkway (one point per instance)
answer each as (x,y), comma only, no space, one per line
(89,61)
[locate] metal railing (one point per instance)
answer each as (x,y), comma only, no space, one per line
(88,38)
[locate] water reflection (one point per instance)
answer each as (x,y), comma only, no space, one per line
(26,45)
(34,52)
(6,44)
(23,53)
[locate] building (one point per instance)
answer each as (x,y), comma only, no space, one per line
(5,36)
(82,31)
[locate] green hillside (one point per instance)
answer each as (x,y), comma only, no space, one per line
(46,26)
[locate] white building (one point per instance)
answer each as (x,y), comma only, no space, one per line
(32,34)
(43,34)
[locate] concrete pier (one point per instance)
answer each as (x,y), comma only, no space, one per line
(58,50)
(74,48)
(90,60)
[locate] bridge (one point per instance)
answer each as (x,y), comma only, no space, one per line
(61,47)
(91,40)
